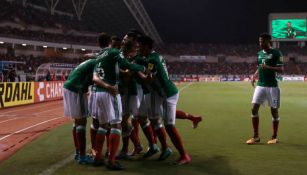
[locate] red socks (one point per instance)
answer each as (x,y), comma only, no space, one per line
(114,140)
(99,141)
(176,139)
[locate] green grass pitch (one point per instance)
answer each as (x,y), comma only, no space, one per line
(216,147)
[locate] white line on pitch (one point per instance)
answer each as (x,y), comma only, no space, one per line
(186,86)
(4,137)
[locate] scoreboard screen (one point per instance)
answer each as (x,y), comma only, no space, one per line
(289,29)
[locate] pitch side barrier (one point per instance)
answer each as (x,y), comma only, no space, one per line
(22,93)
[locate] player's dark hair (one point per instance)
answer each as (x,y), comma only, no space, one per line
(137,32)
(115,38)
(127,46)
(104,40)
(146,41)
(265,36)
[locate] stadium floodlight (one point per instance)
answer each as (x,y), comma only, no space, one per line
(1,42)
(24,44)
(83,49)
(64,48)
(44,46)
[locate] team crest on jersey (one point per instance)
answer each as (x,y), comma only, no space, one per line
(150,66)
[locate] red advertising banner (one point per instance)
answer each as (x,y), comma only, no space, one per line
(48,91)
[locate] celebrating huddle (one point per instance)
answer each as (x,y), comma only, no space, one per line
(129,86)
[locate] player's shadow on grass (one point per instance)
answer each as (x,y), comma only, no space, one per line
(213,165)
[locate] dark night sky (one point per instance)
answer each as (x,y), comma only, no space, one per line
(216,21)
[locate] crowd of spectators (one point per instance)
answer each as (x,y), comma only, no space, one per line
(185,68)
(29,64)
(27,16)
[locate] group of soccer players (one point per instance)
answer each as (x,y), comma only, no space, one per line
(129,87)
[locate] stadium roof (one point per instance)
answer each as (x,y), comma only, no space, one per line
(112,16)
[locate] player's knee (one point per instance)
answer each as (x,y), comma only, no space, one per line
(80,122)
(254,112)
(116,125)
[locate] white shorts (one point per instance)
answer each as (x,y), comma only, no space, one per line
(269,94)
(156,106)
(169,109)
(145,110)
(92,105)
(109,108)
(164,107)
(131,104)
(75,105)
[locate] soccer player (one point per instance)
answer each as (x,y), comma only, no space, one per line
(75,101)
(108,101)
(131,103)
(270,62)
(291,33)
(165,101)
(104,41)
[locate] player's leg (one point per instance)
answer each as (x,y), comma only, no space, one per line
(184,115)
(258,98)
(157,123)
(75,106)
(126,131)
(80,124)
(92,113)
(144,112)
(274,102)
(134,105)
(102,112)
(169,119)
(93,132)
(115,119)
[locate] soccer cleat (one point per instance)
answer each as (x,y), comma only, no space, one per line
(165,154)
(76,157)
(183,160)
(273,141)
(85,160)
(253,140)
(151,151)
(137,150)
(122,156)
(196,120)
(114,166)
(98,163)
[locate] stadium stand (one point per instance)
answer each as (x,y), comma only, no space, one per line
(34,22)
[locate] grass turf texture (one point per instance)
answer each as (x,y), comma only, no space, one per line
(217,146)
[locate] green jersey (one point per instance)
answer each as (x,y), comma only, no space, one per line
(162,83)
(108,67)
(141,61)
(267,77)
(81,77)
(128,83)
